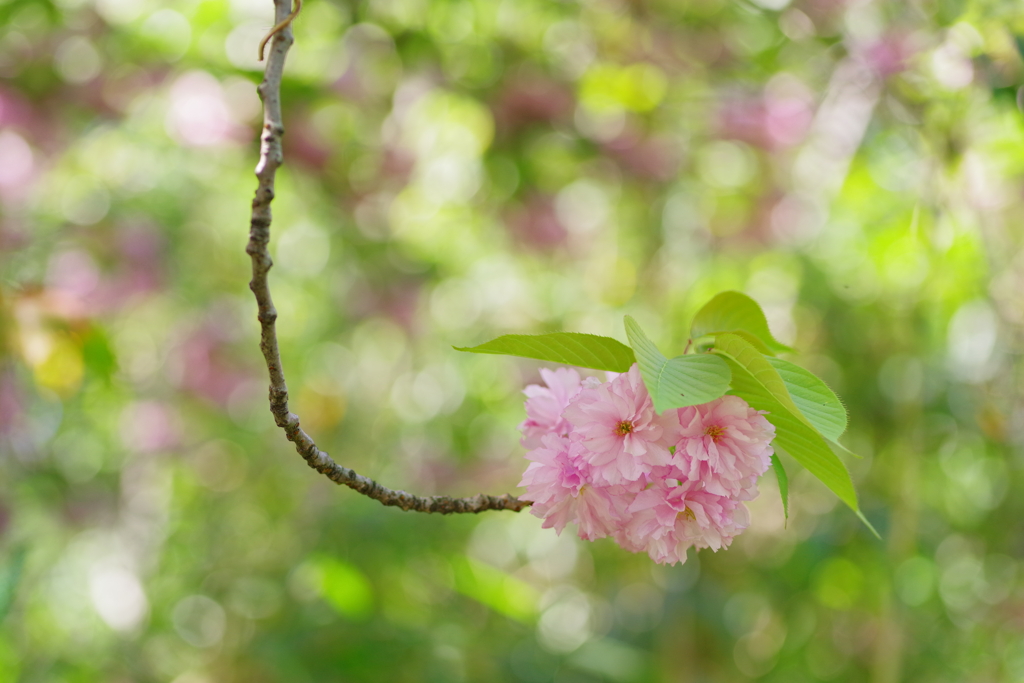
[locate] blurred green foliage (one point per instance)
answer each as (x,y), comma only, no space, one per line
(459,169)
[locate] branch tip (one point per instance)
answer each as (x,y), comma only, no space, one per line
(282,25)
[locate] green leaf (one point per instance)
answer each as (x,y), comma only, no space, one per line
(98,354)
(679,382)
(812,396)
(753,341)
(570,348)
(734,311)
(780,473)
(744,353)
(500,591)
(843,450)
(869,525)
(343,586)
(793,434)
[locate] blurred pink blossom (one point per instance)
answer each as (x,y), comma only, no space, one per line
(531,99)
(207,368)
(305,145)
(725,443)
(602,458)
(199,114)
(558,482)
(617,424)
(149,426)
(656,158)
(17,164)
(12,402)
(890,54)
(776,119)
(545,405)
(15,110)
(535,223)
(76,286)
(669,519)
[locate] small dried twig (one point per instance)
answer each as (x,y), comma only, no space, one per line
(271,158)
(281,25)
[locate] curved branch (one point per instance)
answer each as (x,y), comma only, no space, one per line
(271,158)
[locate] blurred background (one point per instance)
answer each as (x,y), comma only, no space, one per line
(459,169)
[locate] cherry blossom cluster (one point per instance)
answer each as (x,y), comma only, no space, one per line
(602,458)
